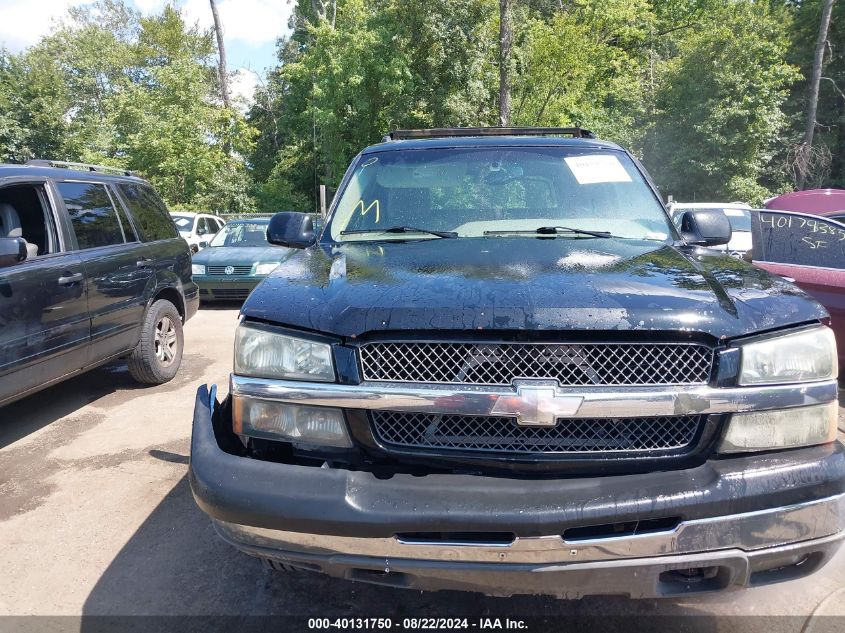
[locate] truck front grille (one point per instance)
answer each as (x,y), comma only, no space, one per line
(569,364)
(503,435)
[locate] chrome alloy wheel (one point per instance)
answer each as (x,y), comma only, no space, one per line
(165,341)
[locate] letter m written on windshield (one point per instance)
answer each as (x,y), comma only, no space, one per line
(374,205)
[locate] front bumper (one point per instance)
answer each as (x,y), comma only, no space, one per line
(742,521)
(223,288)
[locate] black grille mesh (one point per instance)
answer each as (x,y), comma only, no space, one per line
(503,434)
(569,364)
(230,293)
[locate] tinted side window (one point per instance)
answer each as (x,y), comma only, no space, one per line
(796,238)
(151,216)
(91,213)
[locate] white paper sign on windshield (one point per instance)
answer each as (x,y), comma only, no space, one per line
(596,168)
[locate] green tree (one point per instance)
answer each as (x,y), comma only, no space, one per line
(109,86)
(719,110)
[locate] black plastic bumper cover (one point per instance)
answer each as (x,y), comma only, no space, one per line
(247,491)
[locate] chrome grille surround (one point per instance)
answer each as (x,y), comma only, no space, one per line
(221,270)
(571,364)
(424,431)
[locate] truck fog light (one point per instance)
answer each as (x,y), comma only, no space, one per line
(783,428)
(322,426)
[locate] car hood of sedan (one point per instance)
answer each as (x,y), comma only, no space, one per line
(241,255)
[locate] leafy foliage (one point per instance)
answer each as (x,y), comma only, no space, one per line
(110,86)
(695,87)
(718,114)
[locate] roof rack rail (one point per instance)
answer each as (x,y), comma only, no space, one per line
(105,169)
(450,132)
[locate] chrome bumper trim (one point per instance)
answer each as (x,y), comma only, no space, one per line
(598,402)
(748,532)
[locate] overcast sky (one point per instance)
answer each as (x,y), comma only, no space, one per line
(250,28)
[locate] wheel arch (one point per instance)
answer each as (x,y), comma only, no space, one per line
(173,296)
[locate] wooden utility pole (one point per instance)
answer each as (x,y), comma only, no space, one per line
(815,80)
(221,51)
(505,40)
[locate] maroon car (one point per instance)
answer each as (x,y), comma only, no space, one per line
(825,202)
(810,250)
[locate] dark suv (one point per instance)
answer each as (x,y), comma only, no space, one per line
(92,269)
(502,368)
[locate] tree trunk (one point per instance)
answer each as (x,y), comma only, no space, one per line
(221,49)
(815,80)
(505,39)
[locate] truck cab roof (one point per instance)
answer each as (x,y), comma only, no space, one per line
(489,141)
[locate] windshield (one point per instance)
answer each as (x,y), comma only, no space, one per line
(183,222)
(480,191)
(242,234)
(740,219)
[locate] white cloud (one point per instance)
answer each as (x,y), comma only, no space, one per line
(242,86)
(24,22)
(253,22)
(148,6)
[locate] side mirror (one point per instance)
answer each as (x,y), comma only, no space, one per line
(203,244)
(12,251)
(294,230)
(706,227)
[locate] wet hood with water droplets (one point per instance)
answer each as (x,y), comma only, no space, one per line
(525,284)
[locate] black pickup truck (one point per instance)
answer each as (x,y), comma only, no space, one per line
(501,368)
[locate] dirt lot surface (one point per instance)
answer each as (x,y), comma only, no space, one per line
(96,518)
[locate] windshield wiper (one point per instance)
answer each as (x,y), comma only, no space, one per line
(553,230)
(402,229)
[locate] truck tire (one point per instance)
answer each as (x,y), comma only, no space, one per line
(156,358)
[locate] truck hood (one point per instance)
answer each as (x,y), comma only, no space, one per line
(525,284)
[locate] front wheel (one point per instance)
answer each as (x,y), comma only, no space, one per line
(157,356)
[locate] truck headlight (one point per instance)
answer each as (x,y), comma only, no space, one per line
(800,357)
(320,426)
(783,428)
(265,269)
(197,269)
(262,352)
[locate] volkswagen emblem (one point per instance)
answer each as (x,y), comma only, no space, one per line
(229,270)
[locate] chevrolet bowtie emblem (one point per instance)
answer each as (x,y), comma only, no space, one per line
(536,405)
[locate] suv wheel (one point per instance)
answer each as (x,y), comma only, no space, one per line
(157,357)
